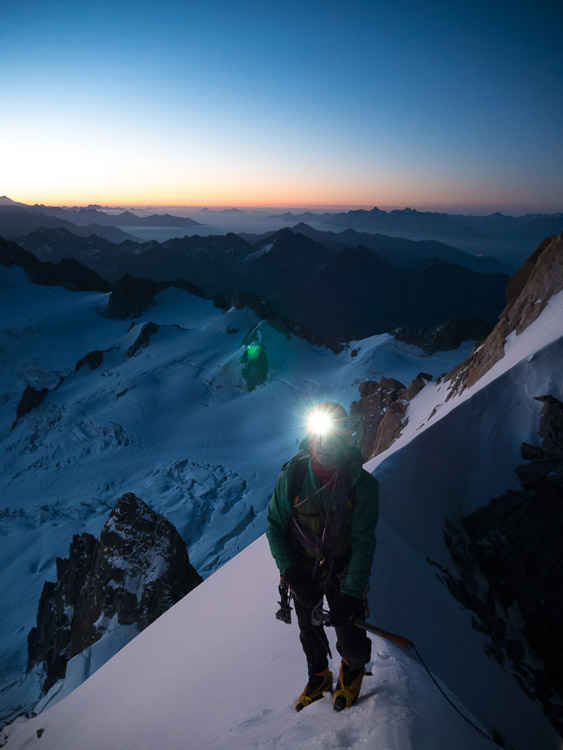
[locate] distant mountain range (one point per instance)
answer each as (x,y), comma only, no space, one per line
(357,293)
(89,215)
(18,222)
(337,293)
(402,252)
(339,285)
(18,219)
(505,237)
(492,243)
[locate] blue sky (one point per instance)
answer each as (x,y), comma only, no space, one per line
(426,104)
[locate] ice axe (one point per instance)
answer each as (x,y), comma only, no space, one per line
(284,612)
(320,616)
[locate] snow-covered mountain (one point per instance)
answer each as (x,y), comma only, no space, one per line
(217,670)
(191,408)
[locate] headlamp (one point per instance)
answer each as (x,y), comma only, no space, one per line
(320,423)
(328,418)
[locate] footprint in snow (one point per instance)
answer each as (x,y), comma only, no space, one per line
(252,720)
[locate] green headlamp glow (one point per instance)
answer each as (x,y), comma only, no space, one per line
(253,350)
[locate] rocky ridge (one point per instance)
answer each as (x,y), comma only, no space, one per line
(137,569)
(380,413)
(527,294)
(446,337)
(68,272)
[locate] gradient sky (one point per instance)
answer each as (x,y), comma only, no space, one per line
(421,104)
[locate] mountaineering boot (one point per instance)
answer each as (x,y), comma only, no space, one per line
(348,686)
(317,684)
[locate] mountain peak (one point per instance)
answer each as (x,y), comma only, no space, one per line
(5,201)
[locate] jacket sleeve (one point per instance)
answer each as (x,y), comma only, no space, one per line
(277,525)
(362,538)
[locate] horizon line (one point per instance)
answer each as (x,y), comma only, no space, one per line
(472,208)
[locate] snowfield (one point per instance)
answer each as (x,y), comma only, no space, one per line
(174,423)
(218,670)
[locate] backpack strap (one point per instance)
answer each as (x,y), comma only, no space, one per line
(298,466)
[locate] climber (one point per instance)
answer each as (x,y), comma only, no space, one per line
(321,530)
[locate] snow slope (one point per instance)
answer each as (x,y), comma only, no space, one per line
(174,424)
(218,671)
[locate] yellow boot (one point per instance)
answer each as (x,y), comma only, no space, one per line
(318,683)
(348,686)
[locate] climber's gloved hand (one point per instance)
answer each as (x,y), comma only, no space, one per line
(346,609)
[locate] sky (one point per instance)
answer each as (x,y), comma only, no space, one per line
(285,103)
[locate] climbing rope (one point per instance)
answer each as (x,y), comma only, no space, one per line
(320,615)
(452,704)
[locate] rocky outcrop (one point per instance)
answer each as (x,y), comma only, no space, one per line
(130,297)
(510,556)
(50,642)
(93,359)
(68,272)
(137,569)
(446,337)
(143,338)
(31,399)
(527,294)
(379,415)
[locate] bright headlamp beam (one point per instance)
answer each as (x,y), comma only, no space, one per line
(320,423)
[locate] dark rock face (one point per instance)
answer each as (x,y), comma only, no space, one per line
(68,272)
(515,543)
(130,296)
(379,414)
(136,570)
(50,641)
(446,337)
(93,360)
(527,294)
(143,338)
(31,398)
(360,294)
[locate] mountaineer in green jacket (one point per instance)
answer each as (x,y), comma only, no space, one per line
(321,530)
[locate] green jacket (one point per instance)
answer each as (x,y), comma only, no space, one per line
(358,536)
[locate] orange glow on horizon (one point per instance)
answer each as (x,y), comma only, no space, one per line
(386,203)
(242,199)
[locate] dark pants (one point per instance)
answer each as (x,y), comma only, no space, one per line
(352,643)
